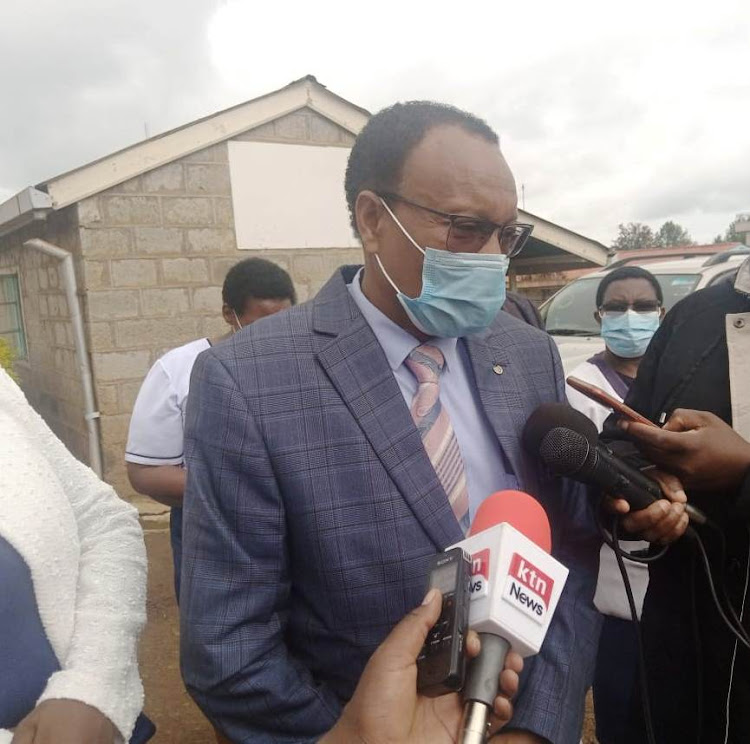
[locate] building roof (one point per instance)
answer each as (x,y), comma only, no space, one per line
(550,239)
(99,175)
(25,207)
(674,250)
(125,164)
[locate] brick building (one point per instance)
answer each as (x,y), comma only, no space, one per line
(140,241)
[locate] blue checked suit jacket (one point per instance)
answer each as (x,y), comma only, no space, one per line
(312,509)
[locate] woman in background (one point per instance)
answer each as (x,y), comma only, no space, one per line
(72,592)
(629,308)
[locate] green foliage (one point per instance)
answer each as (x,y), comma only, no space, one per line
(672,234)
(7,357)
(633,236)
(730,236)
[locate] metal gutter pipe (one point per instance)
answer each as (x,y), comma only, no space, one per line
(82,354)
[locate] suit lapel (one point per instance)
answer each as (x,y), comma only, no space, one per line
(354,361)
(504,390)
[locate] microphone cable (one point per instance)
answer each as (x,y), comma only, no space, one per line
(643,679)
(737,630)
(695,629)
(734,625)
(717,531)
(633,557)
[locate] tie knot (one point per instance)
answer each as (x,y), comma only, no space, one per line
(426,363)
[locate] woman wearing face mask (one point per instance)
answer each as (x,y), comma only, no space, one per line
(629,308)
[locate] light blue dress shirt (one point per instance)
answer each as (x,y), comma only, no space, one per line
(483,460)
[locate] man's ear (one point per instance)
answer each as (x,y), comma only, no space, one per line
(228,314)
(369,212)
(597,317)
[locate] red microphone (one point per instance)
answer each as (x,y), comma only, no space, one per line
(515,588)
(524,512)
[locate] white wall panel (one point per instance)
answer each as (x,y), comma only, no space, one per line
(289,196)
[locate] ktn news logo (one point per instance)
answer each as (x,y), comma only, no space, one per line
(528,588)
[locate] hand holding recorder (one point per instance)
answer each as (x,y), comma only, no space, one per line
(386,707)
(515,588)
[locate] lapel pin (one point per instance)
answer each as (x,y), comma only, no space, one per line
(498,369)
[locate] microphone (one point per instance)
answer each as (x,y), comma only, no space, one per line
(515,588)
(568,443)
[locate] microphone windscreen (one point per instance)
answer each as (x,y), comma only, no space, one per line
(564,451)
(550,416)
(518,509)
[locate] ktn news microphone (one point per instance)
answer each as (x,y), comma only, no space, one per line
(515,587)
(567,442)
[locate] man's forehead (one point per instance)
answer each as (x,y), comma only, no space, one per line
(458,171)
(629,286)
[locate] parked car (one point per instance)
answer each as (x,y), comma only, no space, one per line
(569,313)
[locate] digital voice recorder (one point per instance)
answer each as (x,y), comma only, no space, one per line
(441,664)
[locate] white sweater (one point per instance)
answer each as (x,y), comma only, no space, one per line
(85,551)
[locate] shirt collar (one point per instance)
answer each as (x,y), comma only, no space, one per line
(395,341)
(742,280)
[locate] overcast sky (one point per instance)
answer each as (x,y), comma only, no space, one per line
(607,113)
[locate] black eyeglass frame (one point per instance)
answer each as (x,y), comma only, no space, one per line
(452,218)
(646,306)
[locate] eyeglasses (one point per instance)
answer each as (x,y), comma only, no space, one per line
(614,309)
(470,234)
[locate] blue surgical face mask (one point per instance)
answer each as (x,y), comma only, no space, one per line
(628,334)
(461,292)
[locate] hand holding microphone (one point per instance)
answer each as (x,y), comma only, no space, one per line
(515,588)
(568,444)
(664,520)
(385,707)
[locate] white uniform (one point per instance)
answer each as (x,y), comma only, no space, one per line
(610,597)
(157,423)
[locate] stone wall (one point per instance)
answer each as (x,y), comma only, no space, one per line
(49,376)
(155,252)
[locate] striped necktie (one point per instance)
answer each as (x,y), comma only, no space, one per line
(426,363)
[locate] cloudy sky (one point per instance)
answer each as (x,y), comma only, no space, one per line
(607,113)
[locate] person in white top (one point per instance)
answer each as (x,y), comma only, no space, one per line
(253,289)
(72,591)
(629,308)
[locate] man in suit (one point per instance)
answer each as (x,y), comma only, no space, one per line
(334,448)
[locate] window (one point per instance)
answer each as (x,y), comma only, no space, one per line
(11,317)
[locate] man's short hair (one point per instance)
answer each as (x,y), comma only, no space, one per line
(256,279)
(628,272)
(381,148)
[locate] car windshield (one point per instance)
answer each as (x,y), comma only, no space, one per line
(571,311)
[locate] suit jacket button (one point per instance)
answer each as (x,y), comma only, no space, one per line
(498,369)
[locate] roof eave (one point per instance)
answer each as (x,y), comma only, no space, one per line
(566,240)
(121,166)
(25,207)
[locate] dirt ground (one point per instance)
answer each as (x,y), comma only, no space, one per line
(177,718)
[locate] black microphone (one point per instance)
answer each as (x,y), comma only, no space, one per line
(568,444)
